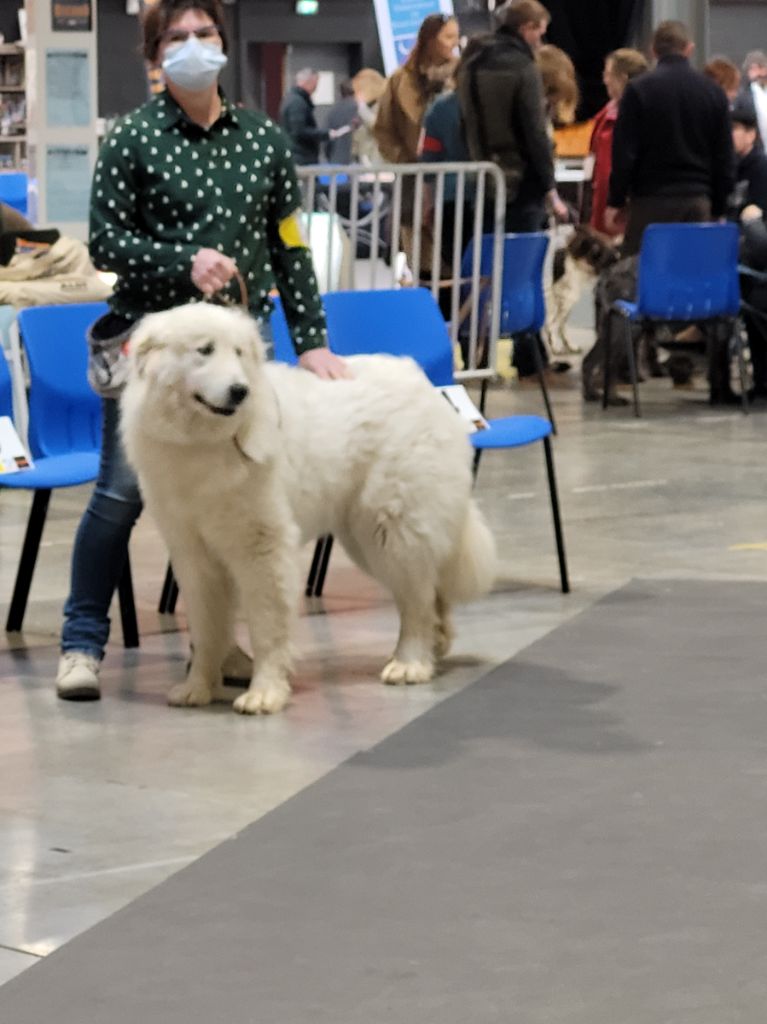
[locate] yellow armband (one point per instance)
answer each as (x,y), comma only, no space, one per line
(292,233)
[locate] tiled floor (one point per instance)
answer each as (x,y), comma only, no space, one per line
(99,802)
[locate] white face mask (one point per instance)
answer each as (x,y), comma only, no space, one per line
(194,65)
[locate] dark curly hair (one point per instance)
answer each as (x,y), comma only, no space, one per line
(158,18)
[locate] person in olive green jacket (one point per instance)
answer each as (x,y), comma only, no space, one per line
(188,192)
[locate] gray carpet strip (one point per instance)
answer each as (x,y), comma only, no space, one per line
(579,837)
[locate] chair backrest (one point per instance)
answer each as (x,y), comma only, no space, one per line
(688,271)
(283,346)
(64,412)
(398,322)
(522,302)
(13,190)
(6,390)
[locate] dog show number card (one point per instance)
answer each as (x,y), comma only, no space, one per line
(12,454)
(458,397)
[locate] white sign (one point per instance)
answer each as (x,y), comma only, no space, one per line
(325,93)
(13,457)
(398,24)
(458,398)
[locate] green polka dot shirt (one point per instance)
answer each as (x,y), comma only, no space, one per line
(165,187)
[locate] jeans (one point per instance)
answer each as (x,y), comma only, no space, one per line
(101,542)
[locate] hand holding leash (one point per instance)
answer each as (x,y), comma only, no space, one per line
(212,271)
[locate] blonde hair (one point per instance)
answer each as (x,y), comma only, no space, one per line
(369,84)
(627,62)
(560,84)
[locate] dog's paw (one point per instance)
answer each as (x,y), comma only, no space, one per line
(190,695)
(406,673)
(264,698)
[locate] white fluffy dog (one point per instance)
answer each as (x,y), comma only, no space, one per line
(239,459)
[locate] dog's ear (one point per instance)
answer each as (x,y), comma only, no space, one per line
(259,437)
(249,336)
(144,340)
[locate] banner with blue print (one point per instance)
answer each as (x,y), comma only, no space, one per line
(398,24)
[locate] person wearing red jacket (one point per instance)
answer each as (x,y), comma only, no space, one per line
(620,66)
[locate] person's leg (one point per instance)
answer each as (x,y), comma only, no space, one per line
(98,559)
(756,328)
(523,217)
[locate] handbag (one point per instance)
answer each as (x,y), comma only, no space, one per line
(108,357)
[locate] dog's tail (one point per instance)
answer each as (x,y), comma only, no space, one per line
(472,569)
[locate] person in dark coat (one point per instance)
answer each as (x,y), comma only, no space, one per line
(298,122)
(501,95)
(672,145)
(343,114)
(751,169)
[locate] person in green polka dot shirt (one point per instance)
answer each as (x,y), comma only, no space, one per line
(187,192)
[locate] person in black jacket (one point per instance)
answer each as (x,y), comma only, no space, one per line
(298,122)
(343,114)
(672,146)
(751,169)
(500,92)
(753,254)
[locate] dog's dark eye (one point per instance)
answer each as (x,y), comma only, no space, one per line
(207,349)
(238,351)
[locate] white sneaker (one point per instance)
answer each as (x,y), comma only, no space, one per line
(78,676)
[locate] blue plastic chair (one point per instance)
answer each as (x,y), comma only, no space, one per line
(408,322)
(6,389)
(14,186)
(64,436)
(687,273)
(523,306)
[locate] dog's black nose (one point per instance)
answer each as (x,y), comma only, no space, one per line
(237,394)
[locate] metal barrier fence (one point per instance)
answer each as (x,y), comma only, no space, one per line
(400,225)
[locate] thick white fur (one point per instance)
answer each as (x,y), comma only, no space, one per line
(379,461)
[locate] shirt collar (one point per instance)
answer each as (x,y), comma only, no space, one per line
(168,113)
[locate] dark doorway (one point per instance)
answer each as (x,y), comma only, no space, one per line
(265,77)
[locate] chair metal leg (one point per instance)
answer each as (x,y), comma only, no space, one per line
(31,546)
(632,366)
(169,595)
(738,328)
(483,395)
(128,606)
(319,567)
(542,382)
(323,567)
(316,559)
(607,359)
(558,534)
(475,464)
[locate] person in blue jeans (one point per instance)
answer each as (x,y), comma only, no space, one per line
(189,193)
